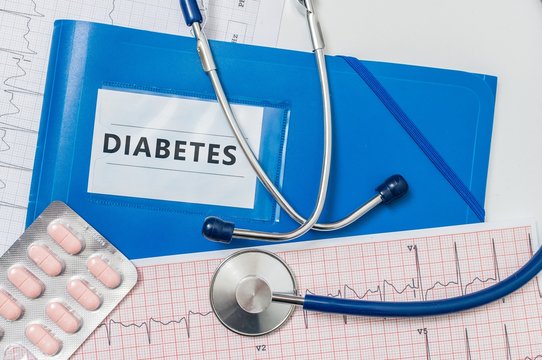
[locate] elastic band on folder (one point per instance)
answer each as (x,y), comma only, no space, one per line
(416,135)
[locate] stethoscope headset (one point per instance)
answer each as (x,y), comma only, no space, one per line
(253,292)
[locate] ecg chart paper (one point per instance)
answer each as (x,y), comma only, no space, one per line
(25,35)
(168,314)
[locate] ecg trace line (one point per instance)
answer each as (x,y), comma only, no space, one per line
(12,90)
(507,344)
(3,142)
(467,345)
(468,349)
(147,325)
(11,205)
(14,166)
(28,17)
(113,6)
(531,252)
(508,348)
(21,59)
(459,281)
(150,325)
(19,56)
(427,347)
(417,283)
(342,292)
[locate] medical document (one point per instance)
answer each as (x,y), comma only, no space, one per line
(25,35)
(168,314)
(128,125)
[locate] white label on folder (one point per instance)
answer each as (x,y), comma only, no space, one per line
(170,148)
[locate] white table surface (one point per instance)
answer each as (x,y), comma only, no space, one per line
(496,37)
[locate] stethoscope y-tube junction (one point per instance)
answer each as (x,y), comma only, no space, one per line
(218,230)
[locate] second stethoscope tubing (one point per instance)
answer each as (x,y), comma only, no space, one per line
(306,224)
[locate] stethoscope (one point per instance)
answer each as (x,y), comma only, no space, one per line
(253,292)
(217,229)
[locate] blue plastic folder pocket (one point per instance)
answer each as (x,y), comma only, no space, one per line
(141,156)
(433,126)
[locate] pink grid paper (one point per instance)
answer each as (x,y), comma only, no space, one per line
(168,314)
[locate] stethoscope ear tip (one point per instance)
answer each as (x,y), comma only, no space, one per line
(216,229)
(393,188)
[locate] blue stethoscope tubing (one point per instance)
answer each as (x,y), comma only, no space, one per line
(427,308)
(191,11)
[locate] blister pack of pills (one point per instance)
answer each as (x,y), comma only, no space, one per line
(58,282)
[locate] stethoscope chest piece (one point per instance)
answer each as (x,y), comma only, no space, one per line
(242,289)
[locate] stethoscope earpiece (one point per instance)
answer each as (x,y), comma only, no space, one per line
(392,189)
(216,229)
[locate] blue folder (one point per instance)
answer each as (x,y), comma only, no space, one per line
(450,110)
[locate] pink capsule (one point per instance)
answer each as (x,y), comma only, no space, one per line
(83,294)
(103,272)
(64,237)
(45,259)
(25,281)
(42,337)
(63,317)
(9,308)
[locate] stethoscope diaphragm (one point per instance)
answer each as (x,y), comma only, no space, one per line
(242,289)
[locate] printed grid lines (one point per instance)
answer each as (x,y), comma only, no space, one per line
(473,334)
